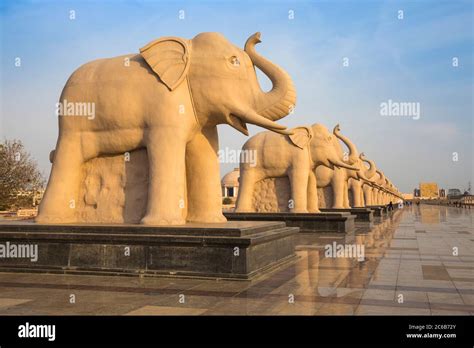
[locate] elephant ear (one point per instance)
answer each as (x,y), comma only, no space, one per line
(301,136)
(169,58)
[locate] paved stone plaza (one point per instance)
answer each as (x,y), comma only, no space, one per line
(409,269)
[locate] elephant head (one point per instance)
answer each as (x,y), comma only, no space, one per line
(222,80)
(353,153)
(370,172)
(380,181)
(390,186)
(355,159)
(320,143)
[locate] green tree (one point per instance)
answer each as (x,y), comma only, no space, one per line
(19,176)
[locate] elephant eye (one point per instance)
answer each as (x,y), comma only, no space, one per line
(234,61)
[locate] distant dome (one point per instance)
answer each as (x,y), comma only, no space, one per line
(231,179)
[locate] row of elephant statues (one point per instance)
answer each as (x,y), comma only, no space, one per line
(312,159)
(148,153)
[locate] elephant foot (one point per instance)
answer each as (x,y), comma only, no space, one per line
(207,218)
(337,207)
(153,220)
(314,211)
(54,219)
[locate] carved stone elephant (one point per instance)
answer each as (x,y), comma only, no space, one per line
(294,156)
(381,190)
(357,186)
(368,187)
(378,190)
(338,178)
(168,100)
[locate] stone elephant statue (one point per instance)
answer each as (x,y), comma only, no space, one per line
(357,186)
(389,188)
(338,178)
(369,187)
(378,188)
(294,156)
(168,99)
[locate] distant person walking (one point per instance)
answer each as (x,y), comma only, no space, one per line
(390,206)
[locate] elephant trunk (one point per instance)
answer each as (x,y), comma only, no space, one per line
(371,171)
(280,101)
(353,153)
(381,180)
(342,164)
(362,175)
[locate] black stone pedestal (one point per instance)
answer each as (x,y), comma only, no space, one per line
(361,214)
(237,250)
(341,222)
(378,210)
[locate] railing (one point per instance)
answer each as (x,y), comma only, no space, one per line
(465,201)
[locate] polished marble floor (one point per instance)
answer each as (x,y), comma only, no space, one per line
(418,261)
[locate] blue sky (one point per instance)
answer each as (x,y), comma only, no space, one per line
(408,60)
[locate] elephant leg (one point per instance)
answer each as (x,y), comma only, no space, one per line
(356,195)
(360,194)
(346,196)
(299,190)
(362,198)
(350,194)
(166,200)
(61,197)
(249,176)
(202,178)
(313,201)
(366,194)
(338,188)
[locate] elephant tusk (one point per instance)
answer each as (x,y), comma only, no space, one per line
(238,124)
(252,117)
(362,175)
(282,131)
(341,164)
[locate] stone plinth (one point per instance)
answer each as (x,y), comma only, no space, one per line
(362,214)
(378,210)
(238,250)
(342,222)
